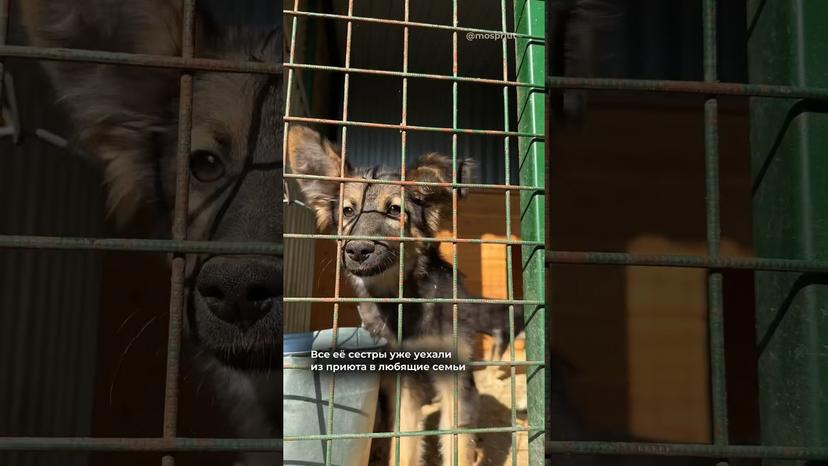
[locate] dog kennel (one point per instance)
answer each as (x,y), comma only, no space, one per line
(390,81)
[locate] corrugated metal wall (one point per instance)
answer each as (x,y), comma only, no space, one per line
(266,13)
(299,254)
(48,299)
(379,99)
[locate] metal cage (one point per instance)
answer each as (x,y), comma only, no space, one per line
(170,442)
(527,130)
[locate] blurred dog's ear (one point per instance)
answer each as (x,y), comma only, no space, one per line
(113,108)
(437,168)
(311,154)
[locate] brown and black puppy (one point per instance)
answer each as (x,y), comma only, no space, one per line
(373,268)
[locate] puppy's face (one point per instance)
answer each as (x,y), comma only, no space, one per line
(375,210)
(370,209)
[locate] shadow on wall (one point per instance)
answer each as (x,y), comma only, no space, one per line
(632,180)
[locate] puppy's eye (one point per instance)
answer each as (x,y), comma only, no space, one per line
(348,211)
(206,166)
(393,210)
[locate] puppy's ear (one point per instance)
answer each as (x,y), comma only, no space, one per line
(437,168)
(311,154)
(115,109)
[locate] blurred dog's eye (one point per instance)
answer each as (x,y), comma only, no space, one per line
(348,211)
(393,210)
(206,166)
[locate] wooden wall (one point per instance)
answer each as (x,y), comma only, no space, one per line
(632,180)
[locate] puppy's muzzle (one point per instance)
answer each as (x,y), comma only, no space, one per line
(359,251)
(240,290)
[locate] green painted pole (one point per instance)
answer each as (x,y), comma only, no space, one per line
(530,66)
(787,45)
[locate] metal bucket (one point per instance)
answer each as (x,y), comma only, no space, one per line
(306,396)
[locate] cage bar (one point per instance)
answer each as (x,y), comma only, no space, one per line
(405,23)
(137,245)
(698,450)
(714,278)
(406,75)
(685,261)
(421,183)
(136,444)
(179,232)
(339,226)
(401,291)
(508,220)
(689,87)
(437,129)
(137,59)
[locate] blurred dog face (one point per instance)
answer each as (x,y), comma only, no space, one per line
(128,118)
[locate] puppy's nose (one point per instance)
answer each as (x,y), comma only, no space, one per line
(240,290)
(359,251)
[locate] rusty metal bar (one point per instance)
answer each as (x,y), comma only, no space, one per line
(401,276)
(181,444)
(715,299)
(407,74)
(686,449)
(138,245)
(178,444)
(137,59)
(367,124)
(413,433)
(339,229)
(410,239)
(454,206)
(309,299)
(179,232)
(684,261)
(510,292)
(416,183)
(688,87)
(406,23)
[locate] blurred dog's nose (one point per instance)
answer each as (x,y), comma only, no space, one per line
(359,251)
(240,290)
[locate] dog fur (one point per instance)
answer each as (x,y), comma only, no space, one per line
(127,117)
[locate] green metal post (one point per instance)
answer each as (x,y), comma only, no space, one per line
(530,68)
(789,138)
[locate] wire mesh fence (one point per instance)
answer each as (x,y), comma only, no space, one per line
(721,448)
(527,33)
(169,442)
